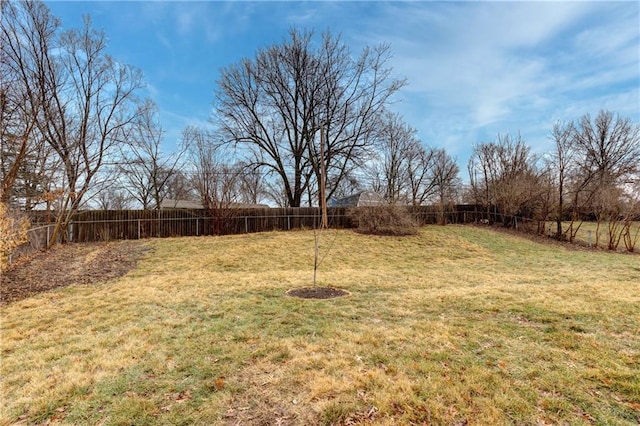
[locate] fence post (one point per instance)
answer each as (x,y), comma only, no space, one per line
(139,229)
(246,225)
(288,222)
(48,231)
(197,226)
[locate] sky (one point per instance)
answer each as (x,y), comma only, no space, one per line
(474,69)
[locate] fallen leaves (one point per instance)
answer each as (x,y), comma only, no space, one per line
(176,398)
(219,383)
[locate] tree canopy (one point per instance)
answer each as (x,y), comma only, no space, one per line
(274,106)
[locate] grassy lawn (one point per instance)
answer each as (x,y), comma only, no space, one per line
(456,324)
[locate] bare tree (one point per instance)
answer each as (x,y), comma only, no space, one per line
(276,192)
(81,99)
(419,173)
(16,132)
(111,198)
(37,174)
(614,208)
(509,179)
(561,162)
(610,146)
(607,154)
(445,181)
(214,178)
(26,31)
(395,140)
(480,176)
(547,206)
(179,186)
(274,106)
(402,169)
(88,106)
(352,183)
(251,184)
(145,169)
(631,227)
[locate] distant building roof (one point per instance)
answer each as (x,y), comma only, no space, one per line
(361,199)
(185,204)
(168,203)
(247,206)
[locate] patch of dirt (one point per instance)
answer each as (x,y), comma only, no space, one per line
(317,292)
(69,264)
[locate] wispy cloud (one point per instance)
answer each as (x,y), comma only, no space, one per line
(483,68)
(475,69)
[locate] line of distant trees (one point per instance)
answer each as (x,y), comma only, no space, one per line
(592,173)
(77,133)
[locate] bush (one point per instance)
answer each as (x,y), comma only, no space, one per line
(13,232)
(383,220)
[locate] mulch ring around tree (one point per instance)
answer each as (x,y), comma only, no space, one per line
(317,293)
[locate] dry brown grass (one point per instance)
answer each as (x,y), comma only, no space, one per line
(456,324)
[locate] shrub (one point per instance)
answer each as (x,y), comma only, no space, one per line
(383,220)
(13,232)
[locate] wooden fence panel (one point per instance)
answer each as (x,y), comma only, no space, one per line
(104,225)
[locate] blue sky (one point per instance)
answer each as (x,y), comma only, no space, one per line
(474,69)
